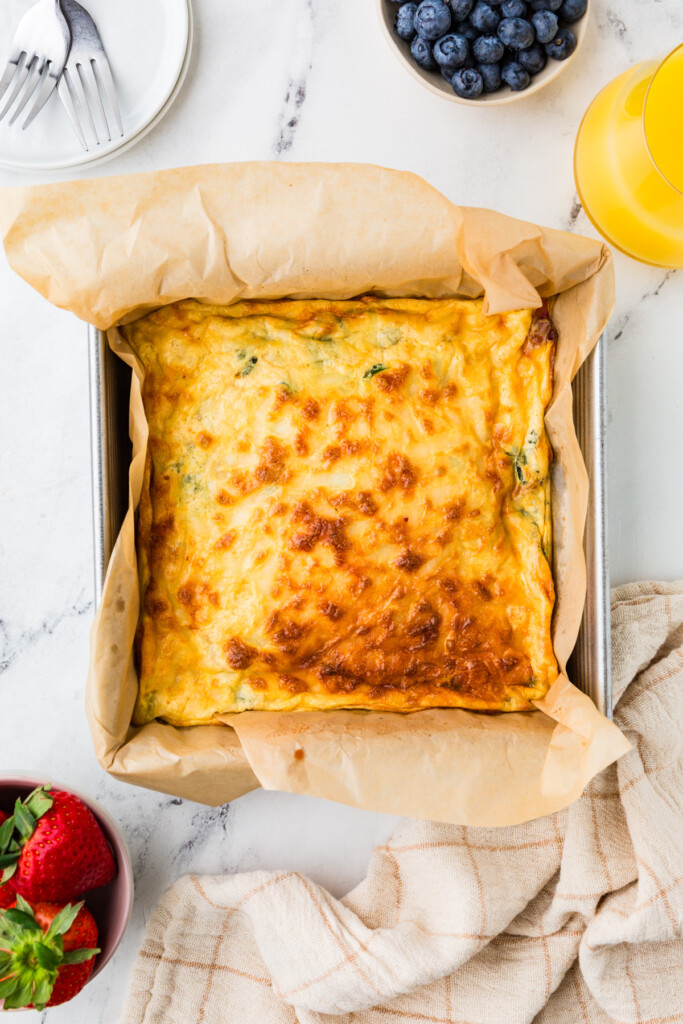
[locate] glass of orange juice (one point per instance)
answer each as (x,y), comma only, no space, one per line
(628,161)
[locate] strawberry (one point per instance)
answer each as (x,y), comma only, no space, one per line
(46,953)
(56,850)
(7,891)
(7,896)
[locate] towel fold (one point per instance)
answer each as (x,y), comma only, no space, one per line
(575,918)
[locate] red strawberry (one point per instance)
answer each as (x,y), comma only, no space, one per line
(46,953)
(7,895)
(57,850)
(7,890)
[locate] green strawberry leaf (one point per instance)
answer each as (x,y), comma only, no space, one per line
(42,993)
(39,802)
(21,919)
(9,931)
(8,985)
(24,821)
(79,956)
(47,957)
(61,923)
(23,905)
(21,996)
(6,830)
(9,871)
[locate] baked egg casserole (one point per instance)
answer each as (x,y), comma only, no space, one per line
(346,504)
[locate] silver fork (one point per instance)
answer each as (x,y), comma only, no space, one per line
(37,58)
(87,73)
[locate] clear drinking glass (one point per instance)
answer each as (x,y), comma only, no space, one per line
(628,161)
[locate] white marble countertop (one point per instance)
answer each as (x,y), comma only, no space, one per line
(300,80)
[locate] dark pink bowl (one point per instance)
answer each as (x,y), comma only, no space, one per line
(112,904)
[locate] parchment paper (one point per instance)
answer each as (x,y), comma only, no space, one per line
(112,249)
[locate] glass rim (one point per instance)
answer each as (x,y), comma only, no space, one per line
(659,67)
(587,210)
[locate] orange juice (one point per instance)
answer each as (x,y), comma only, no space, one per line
(628,162)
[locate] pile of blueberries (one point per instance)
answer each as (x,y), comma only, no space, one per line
(478,45)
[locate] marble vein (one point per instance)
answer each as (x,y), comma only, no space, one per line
(300,65)
(574,214)
(13,648)
(203,821)
(616,24)
(620,325)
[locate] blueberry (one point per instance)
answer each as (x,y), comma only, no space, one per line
(545,25)
(488,49)
(433,19)
(404,22)
(545,5)
(461,8)
(448,73)
(514,9)
(490,75)
(572,10)
(562,46)
(467,29)
(533,59)
(514,75)
(422,53)
(467,83)
(451,51)
(515,33)
(484,18)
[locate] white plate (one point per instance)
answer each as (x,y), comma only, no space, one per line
(148,44)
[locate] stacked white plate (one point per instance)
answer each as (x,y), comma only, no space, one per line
(148,43)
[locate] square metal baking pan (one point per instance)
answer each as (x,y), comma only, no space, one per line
(589,667)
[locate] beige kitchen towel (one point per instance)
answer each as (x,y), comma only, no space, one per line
(576,917)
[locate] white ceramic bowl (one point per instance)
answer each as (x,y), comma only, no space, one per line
(436,84)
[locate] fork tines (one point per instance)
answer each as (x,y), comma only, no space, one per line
(37,57)
(49,32)
(90,79)
(28,79)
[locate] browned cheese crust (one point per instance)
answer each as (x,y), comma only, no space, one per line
(346,504)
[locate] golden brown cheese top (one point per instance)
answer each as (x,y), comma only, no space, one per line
(346,504)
